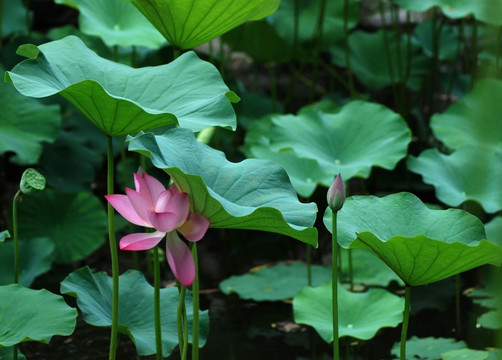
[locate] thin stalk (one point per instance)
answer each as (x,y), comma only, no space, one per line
(399,59)
(406,319)
(309,265)
(334,287)
(351,271)
(387,52)
(195,299)
(156,304)
(15,236)
(317,51)
(347,49)
(185,332)
(457,304)
(113,252)
(180,320)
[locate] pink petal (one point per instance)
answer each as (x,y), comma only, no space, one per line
(155,186)
(165,221)
(180,259)
(123,205)
(140,204)
(149,187)
(141,241)
(173,201)
(195,227)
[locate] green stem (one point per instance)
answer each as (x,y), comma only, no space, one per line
(351,271)
(387,52)
(334,287)
(317,51)
(156,304)
(457,305)
(113,252)
(185,332)
(406,319)
(179,318)
(309,265)
(347,49)
(15,236)
(195,299)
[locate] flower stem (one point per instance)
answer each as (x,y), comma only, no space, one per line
(180,320)
(113,252)
(195,299)
(156,303)
(15,236)
(334,286)
(406,319)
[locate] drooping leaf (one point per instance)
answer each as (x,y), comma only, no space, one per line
(252,194)
(371,64)
(189,23)
(25,124)
(474,120)
(117,22)
(76,223)
(361,135)
(35,258)
(469,173)
(420,245)
(428,348)
(33,315)
(489,11)
(136,315)
(360,315)
(121,100)
(278,282)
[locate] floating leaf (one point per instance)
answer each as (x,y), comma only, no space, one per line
(469,354)
(189,23)
(253,194)
(489,11)
(118,99)
(360,315)
(35,258)
(428,348)
(33,315)
(76,223)
(136,315)
(117,22)
(359,136)
(278,282)
(25,124)
(474,120)
(467,174)
(420,245)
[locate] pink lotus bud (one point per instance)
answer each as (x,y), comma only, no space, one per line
(336,194)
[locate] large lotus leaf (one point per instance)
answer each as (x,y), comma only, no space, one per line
(252,194)
(25,124)
(278,282)
(489,11)
(283,20)
(35,258)
(189,23)
(370,63)
(136,315)
(117,22)
(121,100)
(428,348)
(13,18)
(467,174)
(494,230)
(359,136)
(76,222)
(33,315)
(360,315)
(473,121)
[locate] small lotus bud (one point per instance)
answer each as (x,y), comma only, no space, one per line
(31,181)
(336,194)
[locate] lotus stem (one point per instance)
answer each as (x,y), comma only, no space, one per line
(309,265)
(457,304)
(195,299)
(113,252)
(347,48)
(181,321)
(317,51)
(351,271)
(334,286)
(156,304)
(406,319)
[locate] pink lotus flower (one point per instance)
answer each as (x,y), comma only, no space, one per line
(167,211)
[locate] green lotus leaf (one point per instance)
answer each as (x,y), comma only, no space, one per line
(136,316)
(494,230)
(467,174)
(33,315)
(470,354)
(13,18)
(121,100)
(75,222)
(359,136)
(370,63)
(428,348)
(117,22)
(360,315)
(35,258)
(448,48)
(474,120)
(25,124)
(189,23)
(488,11)
(283,20)
(420,245)
(31,181)
(252,194)
(277,282)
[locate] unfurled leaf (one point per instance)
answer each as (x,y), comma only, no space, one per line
(121,100)
(428,348)
(252,194)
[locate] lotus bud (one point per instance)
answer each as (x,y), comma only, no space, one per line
(336,194)
(31,181)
